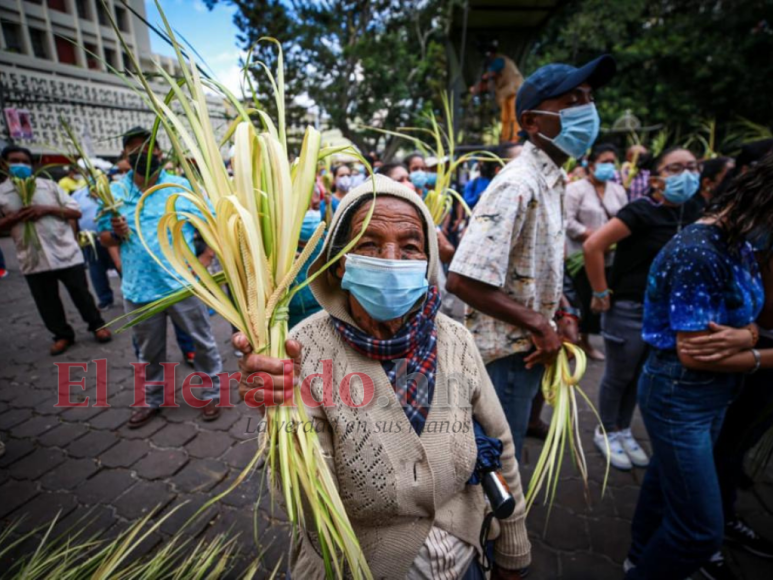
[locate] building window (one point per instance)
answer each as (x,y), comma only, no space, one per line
(121,19)
(127,63)
(92,56)
(110,57)
(12,35)
(102,14)
(59,5)
(83,9)
(39,43)
(65,50)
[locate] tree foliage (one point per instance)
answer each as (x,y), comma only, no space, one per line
(680,63)
(362,62)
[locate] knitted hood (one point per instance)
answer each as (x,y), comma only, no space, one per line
(326,287)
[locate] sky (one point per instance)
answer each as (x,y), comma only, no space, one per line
(211,32)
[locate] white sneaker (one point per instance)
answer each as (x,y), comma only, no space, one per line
(618,458)
(635,452)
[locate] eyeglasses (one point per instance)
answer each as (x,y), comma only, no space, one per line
(677,168)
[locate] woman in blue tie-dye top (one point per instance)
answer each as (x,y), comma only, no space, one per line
(704,293)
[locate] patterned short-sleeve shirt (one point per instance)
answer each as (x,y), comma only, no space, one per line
(143,279)
(515,241)
(58,247)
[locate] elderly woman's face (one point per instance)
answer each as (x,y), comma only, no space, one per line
(395,232)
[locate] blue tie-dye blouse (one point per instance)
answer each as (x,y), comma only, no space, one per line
(697,279)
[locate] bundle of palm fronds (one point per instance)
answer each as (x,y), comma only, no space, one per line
(560,386)
(98,182)
(254,232)
(72,555)
(25,188)
(441,198)
(87,239)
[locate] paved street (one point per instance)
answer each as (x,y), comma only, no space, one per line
(84,462)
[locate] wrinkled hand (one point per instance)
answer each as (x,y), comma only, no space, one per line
(722,342)
(272,380)
(548,345)
(498,573)
(120,226)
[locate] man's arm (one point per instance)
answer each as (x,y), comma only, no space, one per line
(494,302)
(9,220)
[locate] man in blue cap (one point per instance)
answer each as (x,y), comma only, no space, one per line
(509,266)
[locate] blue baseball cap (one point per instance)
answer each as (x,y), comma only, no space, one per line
(553,80)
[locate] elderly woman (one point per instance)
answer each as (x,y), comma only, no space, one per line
(403,460)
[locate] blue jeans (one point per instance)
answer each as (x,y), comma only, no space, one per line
(678,523)
(99,263)
(626,352)
(516,386)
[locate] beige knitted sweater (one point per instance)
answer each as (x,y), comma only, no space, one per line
(395,484)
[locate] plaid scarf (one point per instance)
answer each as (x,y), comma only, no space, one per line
(412,351)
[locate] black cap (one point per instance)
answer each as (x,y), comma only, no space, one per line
(135,132)
(553,80)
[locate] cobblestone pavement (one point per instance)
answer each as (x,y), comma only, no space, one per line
(84,462)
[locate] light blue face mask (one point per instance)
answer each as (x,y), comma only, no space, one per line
(386,289)
(20,170)
(419,178)
(310,222)
(680,188)
(579,128)
(431,179)
(604,171)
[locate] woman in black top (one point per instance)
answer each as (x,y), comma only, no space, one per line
(640,230)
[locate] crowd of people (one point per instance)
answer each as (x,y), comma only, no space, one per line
(668,257)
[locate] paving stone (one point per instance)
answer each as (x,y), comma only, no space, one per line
(544,561)
(174,435)
(223,423)
(48,407)
(209,444)
(62,434)
(199,475)
(69,474)
(160,464)
(37,463)
(28,398)
(143,432)
(565,530)
(15,449)
(247,425)
(93,444)
(110,420)
(182,414)
(184,508)
(143,498)
(15,494)
(82,414)
(246,494)
(34,427)
(105,486)
(273,542)
(585,566)
(626,499)
(611,537)
(86,522)
(241,454)
(13,417)
(44,508)
(125,454)
(233,523)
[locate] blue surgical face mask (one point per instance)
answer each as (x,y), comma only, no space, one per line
(604,171)
(310,222)
(419,178)
(680,188)
(20,170)
(431,179)
(579,128)
(386,289)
